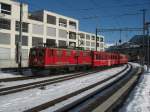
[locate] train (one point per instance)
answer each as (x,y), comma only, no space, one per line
(53,59)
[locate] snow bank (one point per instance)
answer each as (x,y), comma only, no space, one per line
(139,99)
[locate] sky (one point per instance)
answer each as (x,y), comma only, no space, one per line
(99,14)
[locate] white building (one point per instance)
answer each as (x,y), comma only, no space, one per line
(38,27)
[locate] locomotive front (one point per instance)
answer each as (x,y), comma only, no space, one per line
(37,57)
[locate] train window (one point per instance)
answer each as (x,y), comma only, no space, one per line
(68,53)
(77,53)
(59,53)
(86,53)
(33,52)
(41,52)
(50,52)
(97,56)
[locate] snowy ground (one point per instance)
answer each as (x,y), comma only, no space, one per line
(21,82)
(26,99)
(139,99)
(10,74)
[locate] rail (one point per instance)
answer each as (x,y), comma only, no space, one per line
(70,95)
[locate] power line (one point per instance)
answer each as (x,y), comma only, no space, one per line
(102,16)
(118,29)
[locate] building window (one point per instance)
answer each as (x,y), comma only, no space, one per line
(98,38)
(51,19)
(51,31)
(101,39)
(62,22)
(92,44)
(72,35)
(101,45)
(88,37)
(62,43)
(37,29)
(24,40)
(24,26)
(38,16)
(5,53)
(82,35)
(92,49)
(4,38)
(36,41)
(51,42)
(5,24)
(72,44)
(93,37)
(87,43)
(63,33)
(72,25)
(5,8)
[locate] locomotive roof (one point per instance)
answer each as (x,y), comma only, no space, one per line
(59,48)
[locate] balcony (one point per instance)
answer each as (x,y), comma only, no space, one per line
(5,24)
(62,22)
(51,19)
(72,25)
(5,9)
(72,35)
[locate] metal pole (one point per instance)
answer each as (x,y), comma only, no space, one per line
(144,14)
(96,39)
(148,52)
(20,39)
(148,59)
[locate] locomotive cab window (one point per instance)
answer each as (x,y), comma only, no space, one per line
(41,53)
(33,52)
(86,54)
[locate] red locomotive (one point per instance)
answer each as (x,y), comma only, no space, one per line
(45,57)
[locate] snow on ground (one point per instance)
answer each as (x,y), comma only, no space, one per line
(8,75)
(79,96)
(139,99)
(27,99)
(21,82)
(13,74)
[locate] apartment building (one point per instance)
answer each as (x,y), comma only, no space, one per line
(38,27)
(88,41)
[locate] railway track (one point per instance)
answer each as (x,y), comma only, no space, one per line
(112,80)
(106,99)
(26,77)
(41,84)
